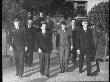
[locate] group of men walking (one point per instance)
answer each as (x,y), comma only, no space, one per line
(37,35)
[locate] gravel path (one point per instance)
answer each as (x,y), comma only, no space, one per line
(31,74)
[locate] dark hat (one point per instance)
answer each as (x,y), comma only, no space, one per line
(44,22)
(41,11)
(29,13)
(63,22)
(17,18)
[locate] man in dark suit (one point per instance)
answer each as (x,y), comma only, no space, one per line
(73,30)
(44,48)
(39,22)
(49,29)
(17,42)
(84,46)
(30,44)
(64,46)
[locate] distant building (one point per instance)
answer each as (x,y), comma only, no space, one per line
(85,5)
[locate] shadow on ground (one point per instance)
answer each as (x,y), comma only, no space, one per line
(39,80)
(54,61)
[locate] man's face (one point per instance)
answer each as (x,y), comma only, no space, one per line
(16,24)
(41,14)
(29,14)
(48,18)
(84,24)
(43,27)
(34,17)
(63,26)
(29,22)
(69,18)
(73,22)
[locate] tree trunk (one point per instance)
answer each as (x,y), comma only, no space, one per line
(6,43)
(106,37)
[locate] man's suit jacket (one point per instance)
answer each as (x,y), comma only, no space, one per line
(64,37)
(36,26)
(73,34)
(30,36)
(17,39)
(85,40)
(44,42)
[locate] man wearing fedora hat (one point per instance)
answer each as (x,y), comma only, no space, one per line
(84,44)
(73,29)
(44,48)
(30,43)
(17,42)
(64,34)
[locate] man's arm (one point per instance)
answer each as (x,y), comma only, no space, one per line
(10,38)
(25,38)
(78,40)
(37,43)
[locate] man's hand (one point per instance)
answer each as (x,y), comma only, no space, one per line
(11,48)
(39,50)
(78,51)
(58,23)
(26,48)
(71,47)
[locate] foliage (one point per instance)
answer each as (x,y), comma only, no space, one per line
(12,9)
(99,15)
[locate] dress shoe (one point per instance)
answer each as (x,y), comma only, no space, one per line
(92,74)
(17,74)
(42,73)
(20,76)
(67,70)
(88,74)
(26,65)
(80,71)
(62,71)
(30,65)
(98,70)
(47,75)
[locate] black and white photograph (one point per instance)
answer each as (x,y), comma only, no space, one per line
(55,40)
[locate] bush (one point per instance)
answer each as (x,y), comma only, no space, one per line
(99,14)
(12,9)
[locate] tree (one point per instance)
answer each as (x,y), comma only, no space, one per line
(99,14)
(12,9)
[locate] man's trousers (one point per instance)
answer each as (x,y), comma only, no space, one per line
(19,61)
(74,54)
(44,63)
(88,61)
(64,52)
(29,55)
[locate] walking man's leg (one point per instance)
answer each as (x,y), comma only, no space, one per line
(47,63)
(21,63)
(66,58)
(42,69)
(74,56)
(16,55)
(31,57)
(88,64)
(81,58)
(26,58)
(62,59)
